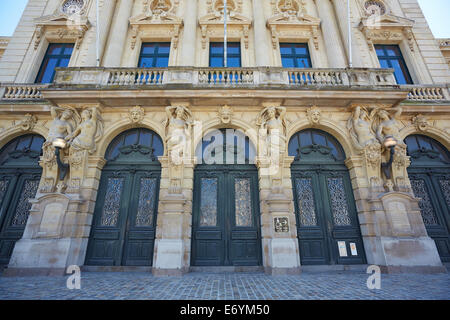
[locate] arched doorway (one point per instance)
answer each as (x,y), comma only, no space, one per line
(226,216)
(20,175)
(123,227)
(429,174)
(327,222)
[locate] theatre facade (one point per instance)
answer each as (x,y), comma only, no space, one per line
(300,152)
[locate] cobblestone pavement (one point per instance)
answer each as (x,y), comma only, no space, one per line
(228,286)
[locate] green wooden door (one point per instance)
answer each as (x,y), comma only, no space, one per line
(226,216)
(429,174)
(124,223)
(226,228)
(20,175)
(327,223)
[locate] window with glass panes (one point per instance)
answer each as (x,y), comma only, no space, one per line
(295,55)
(216,54)
(57,56)
(154,55)
(390,56)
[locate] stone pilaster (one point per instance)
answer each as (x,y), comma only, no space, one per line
(330,31)
(260,32)
(189,34)
(173,231)
(119,30)
(278,225)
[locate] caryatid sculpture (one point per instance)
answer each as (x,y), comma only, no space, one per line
(178,132)
(88,131)
(272,130)
(63,124)
(386,125)
(360,128)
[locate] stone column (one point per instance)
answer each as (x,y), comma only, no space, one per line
(119,30)
(332,38)
(262,47)
(342,17)
(106,16)
(189,34)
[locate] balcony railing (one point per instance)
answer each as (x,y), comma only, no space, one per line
(21,91)
(197,78)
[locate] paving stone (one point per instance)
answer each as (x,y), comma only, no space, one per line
(228,286)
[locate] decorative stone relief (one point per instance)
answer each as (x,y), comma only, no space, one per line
(69,22)
(28,122)
(136,114)
(211,25)
(178,141)
(290,20)
(281,224)
(157,12)
(225,114)
(314,115)
(420,122)
(380,26)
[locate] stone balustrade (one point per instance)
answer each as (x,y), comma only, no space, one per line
(21,91)
(429,93)
(223,77)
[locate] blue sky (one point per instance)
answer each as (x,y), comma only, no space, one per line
(436,12)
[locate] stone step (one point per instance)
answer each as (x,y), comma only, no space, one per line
(226,269)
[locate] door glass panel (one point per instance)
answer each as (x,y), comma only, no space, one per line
(144,217)
(305,200)
(208,200)
(421,191)
(3,187)
(111,206)
(243,202)
(23,206)
(445,186)
(339,205)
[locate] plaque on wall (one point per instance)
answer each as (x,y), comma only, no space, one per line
(281,224)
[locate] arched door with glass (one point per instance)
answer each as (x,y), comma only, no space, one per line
(20,175)
(226,226)
(124,223)
(327,223)
(429,174)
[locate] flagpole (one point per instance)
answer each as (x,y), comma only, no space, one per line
(225,36)
(98,35)
(350,53)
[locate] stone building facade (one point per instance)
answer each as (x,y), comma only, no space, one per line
(161,158)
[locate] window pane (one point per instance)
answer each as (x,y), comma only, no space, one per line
(392,51)
(36,144)
(131,139)
(425,143)
(380,51)
(305,139)
(216,48)
(301,49)
(411,142)
(234,62)
(162,62)
(54,49)
(288,62)
(164,48)
(398,72)
(319,139)
(145,139)
(23,143)
(68,49)
(384,63)
(63,63)
(216,62)
(303,63)
(48,70)
(234,48)
(285,49)
(146,63)
(148,48)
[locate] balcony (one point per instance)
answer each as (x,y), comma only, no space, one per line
(187,78)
